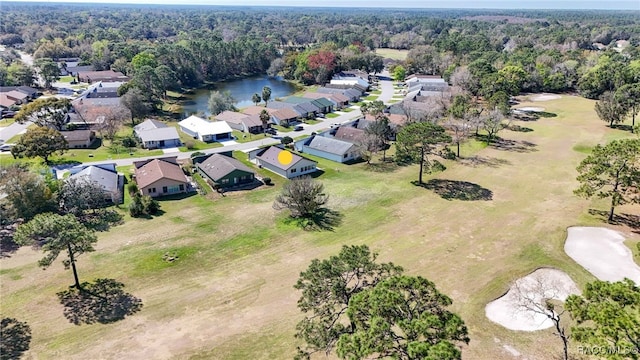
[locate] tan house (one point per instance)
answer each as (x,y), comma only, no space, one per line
(160,177)
(79,139)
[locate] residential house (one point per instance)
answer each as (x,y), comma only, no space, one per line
(18,96)
(328,148)
(31,92)
(352,95)
(306,104)
(225,171)
(285,117)
(104,75)
(351,79)
(270,159)
(279,105)
(160,177)
(154,134)
(104,175)
(242,122)
(79,139)
(349,134)
(204,130)
(92,112)
(74,70)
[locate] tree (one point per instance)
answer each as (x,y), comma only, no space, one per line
(608,317)
(221,101)
(286,140)
(143,59)
(256,98)
(610,109)
(167,79)
(374,108)
(460,130)
(15,337)
(511,78)
(46,112)
(327,287)
(137,104)
(55,233)
(535,297)
(611,171)
(399,73)
(113,119)
(629,96)
(302,196)
(85,199)
(40,142)
(402,317)
(48,69)
(276,67)
(380,130)
(20,74)
(492,124)
(266,95)
(27,192)
(417,141)
(264,118)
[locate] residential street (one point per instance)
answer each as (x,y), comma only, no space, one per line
(386,87)
(12,130)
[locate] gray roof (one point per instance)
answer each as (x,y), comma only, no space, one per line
(218,166)
(107,179)
(166,133)
(24,89)
(329,145)
(283,105)
(149,124)
(270,155)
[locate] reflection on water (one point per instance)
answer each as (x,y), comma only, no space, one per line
(242,90)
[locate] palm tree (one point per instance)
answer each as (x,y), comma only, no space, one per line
(264,117)
(266,95)
(256,98)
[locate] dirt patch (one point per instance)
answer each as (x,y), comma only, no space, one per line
(602,252)
(544,97)
(513,313)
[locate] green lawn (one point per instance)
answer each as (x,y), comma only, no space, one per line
(6,122)
(282,128)
(247,137)
(348,109)
(230,294)
(332,115)
(103,153)
(392,53)
(376,92)
(371,97)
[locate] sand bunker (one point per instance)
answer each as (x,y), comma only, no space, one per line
(529,109)
(602,252)
(544,97)
(513,310)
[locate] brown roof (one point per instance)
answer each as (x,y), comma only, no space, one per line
(77,135)
(157,169)
(348,133)
(285,114)
(6,101)
(218,166)
(256,110)
(105,75)
(17,95)
(396,119)
(231,117)
(270,155)
(252,120)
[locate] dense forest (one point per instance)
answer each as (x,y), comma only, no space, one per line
(486,51)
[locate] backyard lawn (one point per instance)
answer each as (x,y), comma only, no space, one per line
(229,295)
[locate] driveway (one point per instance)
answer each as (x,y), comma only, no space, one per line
(12,130)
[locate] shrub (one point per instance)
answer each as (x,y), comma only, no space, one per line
(150,205)
(267,180)
(190,144)
(286,140)
(129,141)
(132,188)
(135,207)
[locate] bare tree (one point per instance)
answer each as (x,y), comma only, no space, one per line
(459,129)
(536,297)
(114,117)
(492,123)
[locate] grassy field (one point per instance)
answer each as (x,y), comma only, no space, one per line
(392,53)
(4,122)
(230,294)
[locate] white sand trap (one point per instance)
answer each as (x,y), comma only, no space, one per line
(545,97)
(530,109)
(602,252)
(513,309)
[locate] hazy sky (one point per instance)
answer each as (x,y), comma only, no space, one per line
(468,4)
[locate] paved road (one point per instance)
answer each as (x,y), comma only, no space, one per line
(386,87)
(12,130)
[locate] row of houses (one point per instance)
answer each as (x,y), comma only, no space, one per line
(16,95)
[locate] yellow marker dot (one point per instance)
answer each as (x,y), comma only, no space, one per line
(285,157)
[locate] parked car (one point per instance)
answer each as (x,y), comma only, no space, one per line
(6,147)
(298,128)
(335,125)
(271,131)
(321,116)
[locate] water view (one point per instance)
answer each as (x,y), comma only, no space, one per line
(242,90)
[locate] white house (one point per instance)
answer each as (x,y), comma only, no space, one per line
(286,166)
(204,130)
(155,134)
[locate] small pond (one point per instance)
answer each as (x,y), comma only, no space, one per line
(242,90)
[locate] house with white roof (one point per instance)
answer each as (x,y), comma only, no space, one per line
(204,130)
(154,134)
(106,176)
